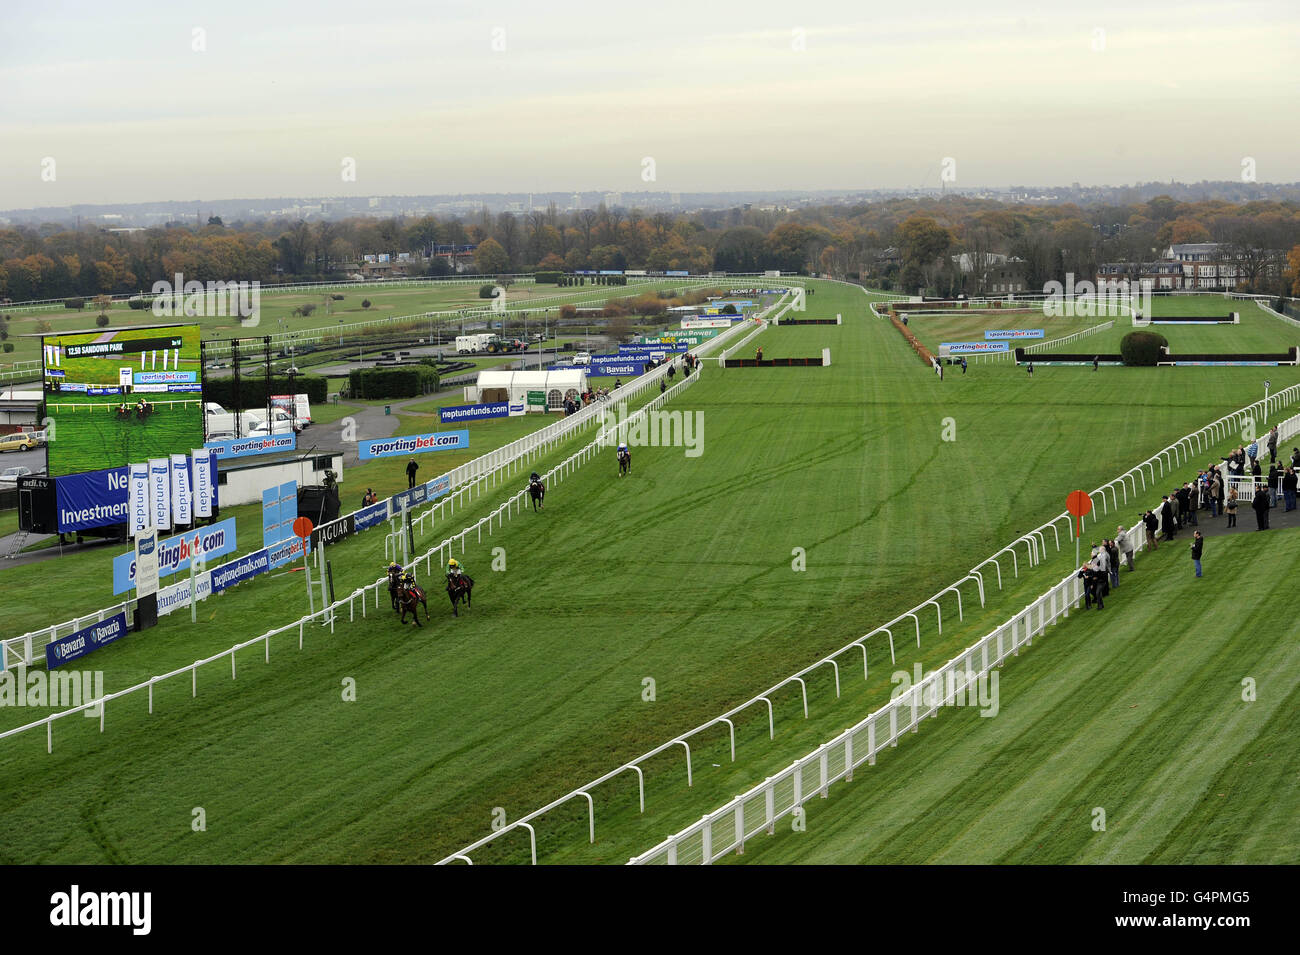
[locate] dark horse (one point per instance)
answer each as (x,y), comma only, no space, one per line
(624,462)
(537,491)
(394,584)
(457,587)
(143,410)
(410,597)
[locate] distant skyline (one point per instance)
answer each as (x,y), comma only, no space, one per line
(150,102)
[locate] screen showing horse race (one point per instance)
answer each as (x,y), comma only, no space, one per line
(117,396)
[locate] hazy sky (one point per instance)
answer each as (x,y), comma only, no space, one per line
(722,95)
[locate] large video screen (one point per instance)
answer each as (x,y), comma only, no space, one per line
(119,396)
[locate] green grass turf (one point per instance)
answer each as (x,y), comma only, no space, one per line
(1137,709)
(1257,332)
(681,573)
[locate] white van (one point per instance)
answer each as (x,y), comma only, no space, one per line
(582,358)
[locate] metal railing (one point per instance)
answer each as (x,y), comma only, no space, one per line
(463,483)
(1035,546)
(328,615)
(954,684)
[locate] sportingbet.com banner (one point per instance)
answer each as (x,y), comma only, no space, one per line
(174,553)
(412,444)
(997,334)
(244,447)
(970,348)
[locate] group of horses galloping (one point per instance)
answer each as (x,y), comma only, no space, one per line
(409,597)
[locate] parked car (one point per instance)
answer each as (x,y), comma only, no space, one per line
(11,475)
(22,441)
(582,358)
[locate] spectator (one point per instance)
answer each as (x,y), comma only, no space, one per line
(1095,360)
(411,468)
(1167,521)
(1260,506)
(1216,492)
(1295,458)
(1031,369)
(1198,546)
(1112,550)
(1289,483)
(1231,507)
(1252,452)
(963,364)
(1124,541)
(1274,476)
(1091,578)
(1272,445)
(1152,525)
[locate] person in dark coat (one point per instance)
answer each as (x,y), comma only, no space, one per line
(1152,525)
(1289,484)
(1274,475)
(1198,547)
(1260,506)
(1167,518)
(411,468)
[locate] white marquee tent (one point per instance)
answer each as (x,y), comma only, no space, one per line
(515,385)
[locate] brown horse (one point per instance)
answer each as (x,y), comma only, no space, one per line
(458,587)
(410,598)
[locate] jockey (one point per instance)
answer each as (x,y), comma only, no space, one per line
(534,478)
(408,580)
(453,570)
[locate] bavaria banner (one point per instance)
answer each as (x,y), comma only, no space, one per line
(87,640)
(181,503)
(160,493)
(139,498)
(92,499)
(412,444)
(205,482)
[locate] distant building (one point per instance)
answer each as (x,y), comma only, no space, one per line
(1161,275)
(1204,265)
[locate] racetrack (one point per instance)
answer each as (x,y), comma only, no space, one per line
(681,573)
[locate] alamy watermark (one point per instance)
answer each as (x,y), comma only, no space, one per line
(195,299)
(652,429)
(1108,297)
(59,689)
(956,687)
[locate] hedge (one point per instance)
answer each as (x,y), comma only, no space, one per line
(547,278)
(252,391)
(137,304)
(77,303)
(392,382)
(1142,349)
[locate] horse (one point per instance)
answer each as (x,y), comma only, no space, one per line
(462,585)
(143,410)
(394,585)
(537,491)
(123,412)
(410,597)
(624,462)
